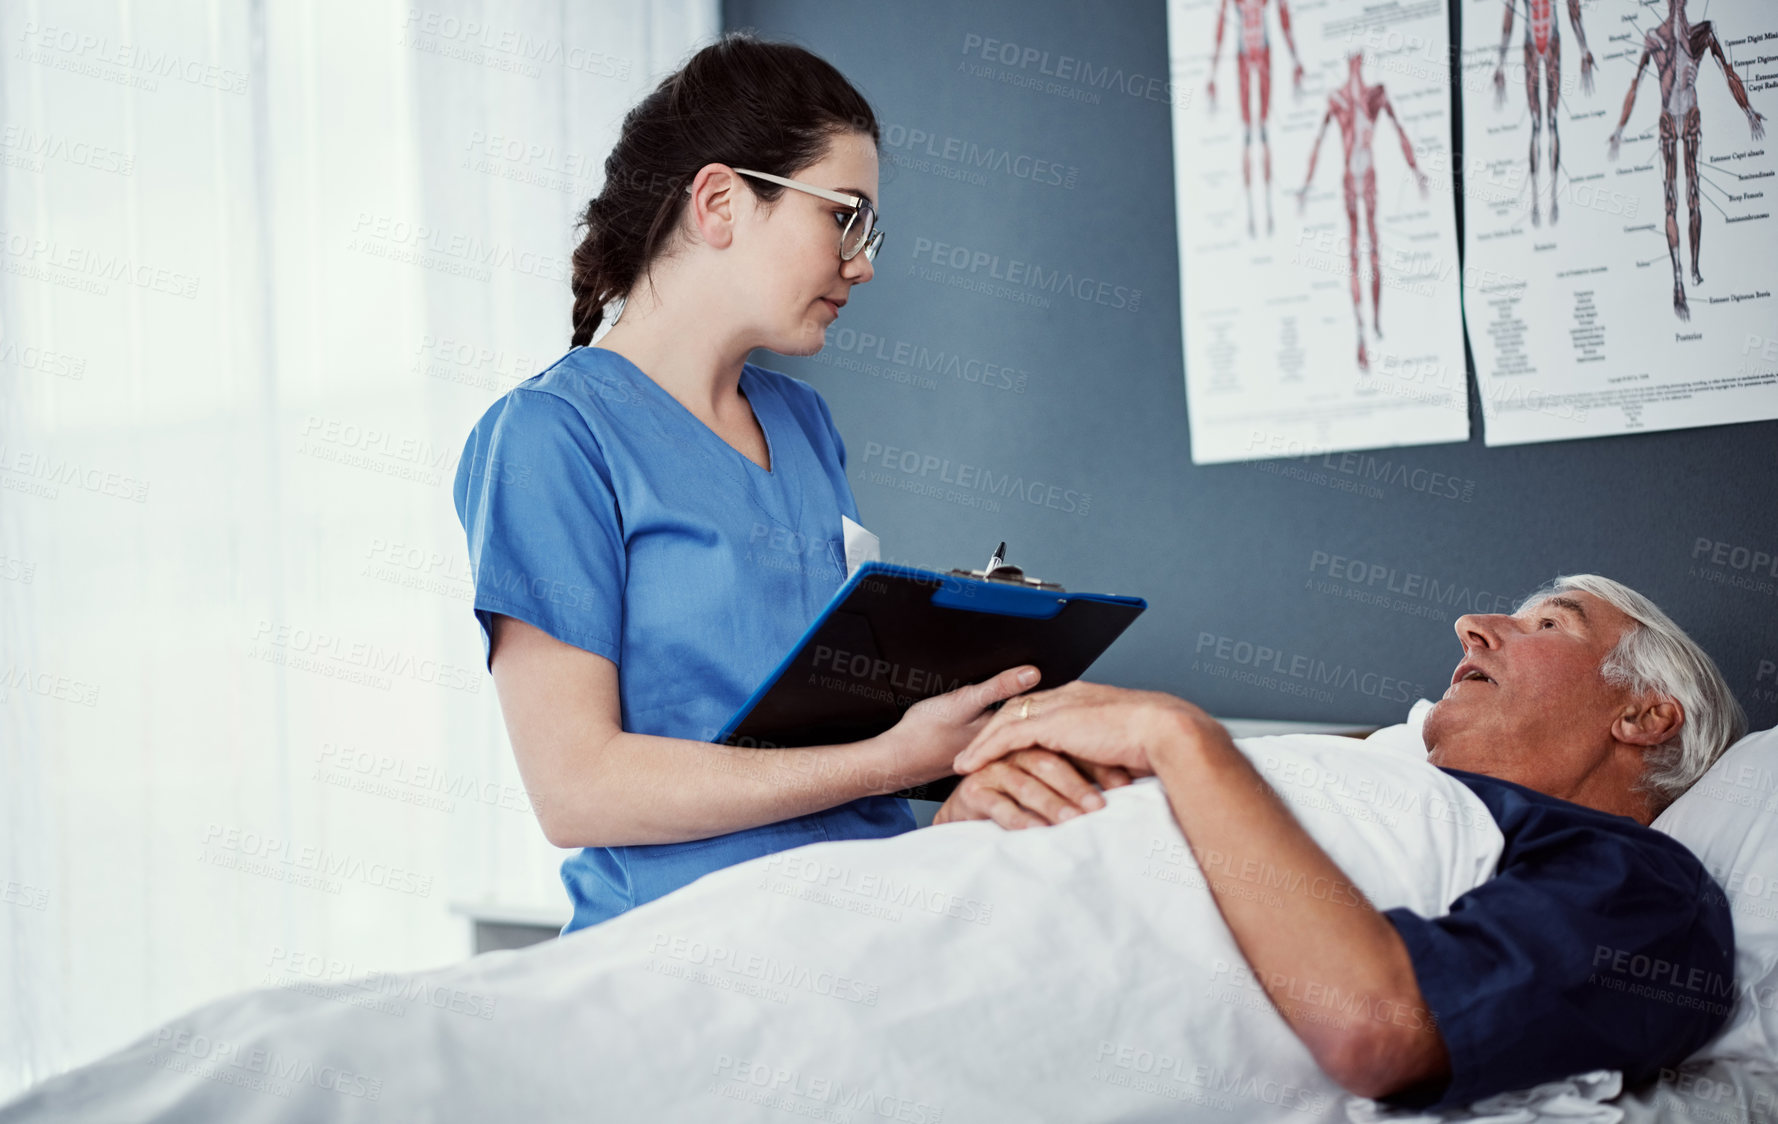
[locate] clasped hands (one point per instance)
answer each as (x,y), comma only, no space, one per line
(1046,757)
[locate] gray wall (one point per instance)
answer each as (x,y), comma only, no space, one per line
(1234,560)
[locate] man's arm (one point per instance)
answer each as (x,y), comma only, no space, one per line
(1225,808)
(1232,818)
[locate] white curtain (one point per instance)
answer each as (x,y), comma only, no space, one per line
(264,264)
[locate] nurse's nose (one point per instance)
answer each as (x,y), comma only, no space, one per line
(858,269)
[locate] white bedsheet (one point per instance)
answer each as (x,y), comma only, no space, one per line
(959,973)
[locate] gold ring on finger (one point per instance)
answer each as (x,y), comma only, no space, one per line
(1025,708)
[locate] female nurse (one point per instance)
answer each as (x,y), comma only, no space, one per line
(654,521)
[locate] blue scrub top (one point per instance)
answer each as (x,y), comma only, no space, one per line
(1598,944)
(603,512)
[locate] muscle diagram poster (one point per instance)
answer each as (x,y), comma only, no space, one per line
(1317,231)
(1619,190)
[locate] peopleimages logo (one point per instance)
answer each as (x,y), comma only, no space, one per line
(87,270)
(20,677)
(20,467)
(511,49)
(820,1097)
(922,360)
(765,970)
(183,1050)
(1181,1079)
(29,148)
(352,660)
(283,859)
(123,62)
(334,978)
(1029,66)
(1023,275)
(42,359)
(976,478)
(831,878)
(419,244)
(1390,579)
(1736,557)
(1735,564)
(916,148)
(1309,670)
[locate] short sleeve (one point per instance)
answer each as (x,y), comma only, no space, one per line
(546,543)
(1593,949)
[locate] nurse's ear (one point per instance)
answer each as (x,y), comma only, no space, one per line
(714,204)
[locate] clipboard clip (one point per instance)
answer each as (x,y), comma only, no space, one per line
(1000,570)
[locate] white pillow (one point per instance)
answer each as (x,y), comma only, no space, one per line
(1730,820)
(1405,738)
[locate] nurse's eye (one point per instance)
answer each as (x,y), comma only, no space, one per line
(842,218)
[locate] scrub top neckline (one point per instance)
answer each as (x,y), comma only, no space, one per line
(749,382)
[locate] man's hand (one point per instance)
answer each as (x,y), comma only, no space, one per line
(1090,722)
(1030,788)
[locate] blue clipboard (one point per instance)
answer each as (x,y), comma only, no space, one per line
(894,635)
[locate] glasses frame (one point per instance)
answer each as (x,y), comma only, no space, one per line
(873,241)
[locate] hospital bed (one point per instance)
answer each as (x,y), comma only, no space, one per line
(934,1013)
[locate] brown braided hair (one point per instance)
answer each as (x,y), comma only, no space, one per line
(740,101)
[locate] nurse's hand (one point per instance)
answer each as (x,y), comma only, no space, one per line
(1030,788)
(934,731)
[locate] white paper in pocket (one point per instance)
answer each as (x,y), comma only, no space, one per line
(861,545)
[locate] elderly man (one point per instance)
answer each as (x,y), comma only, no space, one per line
(1576,720)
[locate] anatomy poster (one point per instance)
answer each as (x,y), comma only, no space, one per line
(1317,233)
(1620,190)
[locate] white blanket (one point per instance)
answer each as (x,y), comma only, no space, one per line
(958,973)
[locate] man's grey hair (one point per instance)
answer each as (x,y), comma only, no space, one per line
(1654,655)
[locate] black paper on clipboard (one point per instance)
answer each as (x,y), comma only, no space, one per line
(894,635)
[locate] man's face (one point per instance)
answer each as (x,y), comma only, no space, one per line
(1527,703)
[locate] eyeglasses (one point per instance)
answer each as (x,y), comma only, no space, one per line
(860,230)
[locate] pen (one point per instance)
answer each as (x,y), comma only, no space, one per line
(998,560)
